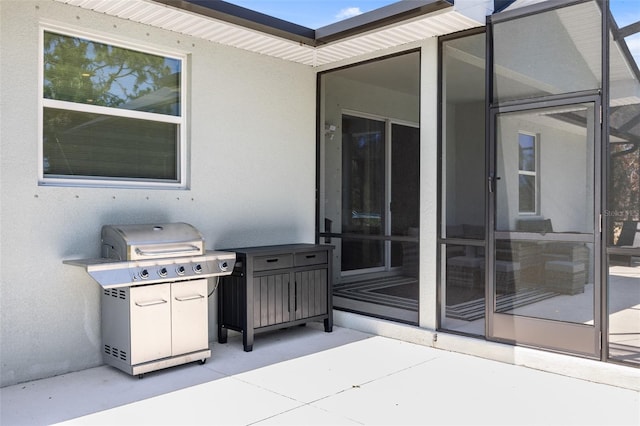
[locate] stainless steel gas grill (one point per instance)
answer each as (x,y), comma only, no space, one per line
(154,308)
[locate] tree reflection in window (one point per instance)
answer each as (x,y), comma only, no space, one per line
(84,71)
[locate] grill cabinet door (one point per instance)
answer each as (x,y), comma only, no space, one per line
(190,322)
(150,307)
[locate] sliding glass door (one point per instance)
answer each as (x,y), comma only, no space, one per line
(379,193)
(363,194)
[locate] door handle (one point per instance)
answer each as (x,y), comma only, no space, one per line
(150,303)
(187,298)
(492,183)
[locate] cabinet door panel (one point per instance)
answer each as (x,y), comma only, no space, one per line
(190,324)
(150,308)
(271,300)
(312,293)
(321,289)
(302,295)
(280,297)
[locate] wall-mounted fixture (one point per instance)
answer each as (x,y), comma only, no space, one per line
(329,129)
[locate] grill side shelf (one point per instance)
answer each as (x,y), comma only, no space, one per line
(106,272)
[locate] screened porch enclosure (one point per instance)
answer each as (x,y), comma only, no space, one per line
(551,262)
(370,184)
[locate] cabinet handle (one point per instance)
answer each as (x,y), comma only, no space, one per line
(295,297)
(311,256)
(187,298)
(151,303)
(272,260)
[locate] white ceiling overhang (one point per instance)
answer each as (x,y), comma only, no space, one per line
(444,21)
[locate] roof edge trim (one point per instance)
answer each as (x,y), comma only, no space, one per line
(387,15)
(233,14)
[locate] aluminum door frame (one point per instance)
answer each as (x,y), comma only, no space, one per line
(550,334)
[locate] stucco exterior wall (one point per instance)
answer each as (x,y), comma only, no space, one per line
(251,168)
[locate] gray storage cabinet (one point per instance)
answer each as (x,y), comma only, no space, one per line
(275,287)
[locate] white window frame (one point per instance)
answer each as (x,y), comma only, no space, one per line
(535,174)
(180,120)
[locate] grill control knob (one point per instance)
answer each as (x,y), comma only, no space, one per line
(224,266)
(197,268)
(180,270)
(144,274)
(162,272)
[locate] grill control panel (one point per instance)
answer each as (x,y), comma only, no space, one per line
(177,271)
(110,273)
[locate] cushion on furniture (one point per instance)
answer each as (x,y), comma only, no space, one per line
(473,231)
(630,234)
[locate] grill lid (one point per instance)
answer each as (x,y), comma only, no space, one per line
(154,253)
(151,241)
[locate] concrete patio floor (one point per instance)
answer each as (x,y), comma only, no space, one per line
(301,376)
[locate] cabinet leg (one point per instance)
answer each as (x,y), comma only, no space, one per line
(247,340)
(328,325)
(222,334)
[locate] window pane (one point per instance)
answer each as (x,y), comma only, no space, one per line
(623,203)
(527,152)
(527,194)
(633,43)
(405,193)
(562,190)
(624,315)
(87,72)
(545,279)
(464,288)
(623,208)
(548,53)
(363,175)
(82,144)
(463,127)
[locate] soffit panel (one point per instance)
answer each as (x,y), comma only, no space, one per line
(433,25)
(206,28)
